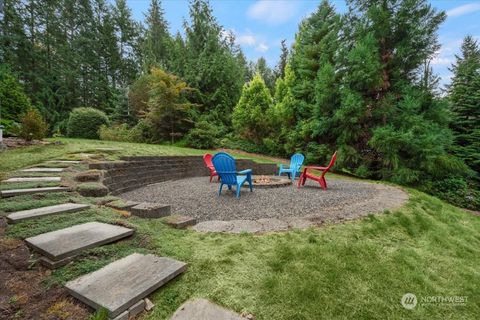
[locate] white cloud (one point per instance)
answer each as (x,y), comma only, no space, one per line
(246,40)
(441,61)
(463,10)
(273,12)
(261,47)
(249,39)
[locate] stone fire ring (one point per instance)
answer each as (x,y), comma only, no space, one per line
(273,182)
(270,209)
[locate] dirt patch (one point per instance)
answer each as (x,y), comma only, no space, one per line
(22,293)
(13,143)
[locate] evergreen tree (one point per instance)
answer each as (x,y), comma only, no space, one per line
(316,44)
(266,73)
(128,32)
(282,63)
(250,119)
(464,94)
(157,39)
(211,66)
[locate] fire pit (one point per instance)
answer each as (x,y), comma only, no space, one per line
(269,182)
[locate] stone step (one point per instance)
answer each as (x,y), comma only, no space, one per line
(202,309)
(34,179)
(43,170)
(18,216)
(65,243)
(65,161)
(19,192)
(123,283)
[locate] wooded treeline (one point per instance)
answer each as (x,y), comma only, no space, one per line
(360,83)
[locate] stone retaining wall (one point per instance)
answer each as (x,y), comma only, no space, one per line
(134,172)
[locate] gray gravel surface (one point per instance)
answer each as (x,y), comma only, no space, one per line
(344,199)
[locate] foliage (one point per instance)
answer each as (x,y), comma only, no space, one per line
(464,94)
(250,120)
(457,191)
(33,126)
(211,63)
(205,134)
(85,123)
(13,100)
(159,97)
(119,132)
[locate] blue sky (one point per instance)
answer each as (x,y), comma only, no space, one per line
(260,25)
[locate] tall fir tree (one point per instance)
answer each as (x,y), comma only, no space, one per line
(210,65)
(464,94)
(282,63)
(157,40)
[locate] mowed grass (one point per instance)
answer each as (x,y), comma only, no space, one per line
(356,270)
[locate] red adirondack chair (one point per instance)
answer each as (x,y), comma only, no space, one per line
(207,158)
(321,178)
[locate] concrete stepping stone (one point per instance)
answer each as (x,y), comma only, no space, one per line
(19,216)
(34,179)
(248,226)
(58,247)
(123,283)
(19,192)
(65,161)
(202,309)
(151,210)
(180,222)
(43,170)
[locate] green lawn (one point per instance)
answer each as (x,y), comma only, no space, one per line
(355,270)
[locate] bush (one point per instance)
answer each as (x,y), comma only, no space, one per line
(115,133)
(85,123)
(33,126)
(204,136)
(455,190)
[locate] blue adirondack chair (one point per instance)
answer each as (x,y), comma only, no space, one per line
(225,166)
(293,170)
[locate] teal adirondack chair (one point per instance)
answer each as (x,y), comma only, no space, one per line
(293,170)
(225,167)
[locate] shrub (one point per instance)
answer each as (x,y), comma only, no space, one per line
(204,136)
(85,123)
(456,191)
(115,133)
(33,126)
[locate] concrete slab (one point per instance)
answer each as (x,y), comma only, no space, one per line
(65,161)
(19,192)
(43,170)
(34,179)
(249,226)
(68,242)
(151,210)
(18,216)
(120,284)
(202,309)
(213,226)
(179,221)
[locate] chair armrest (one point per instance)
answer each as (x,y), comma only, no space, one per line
(316,168)
(280,166)
(246,171)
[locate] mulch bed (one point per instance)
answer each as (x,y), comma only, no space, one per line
(22,292)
